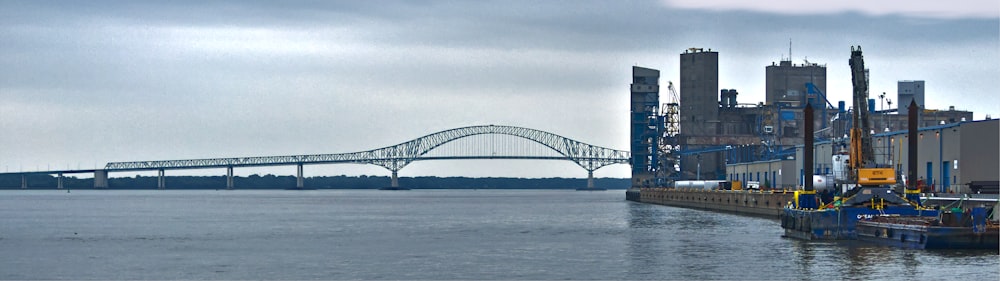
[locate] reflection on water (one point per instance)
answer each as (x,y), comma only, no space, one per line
(804,255)
(695,244)
(861,258)
(911,264)
(643,243)
(855,260)
(644,216)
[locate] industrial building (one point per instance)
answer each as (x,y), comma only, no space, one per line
(706,123)
(951,157)
(888,118)
(786,82)
(721,138)
(791,86)
(645,125)
(711,123)
(910,91)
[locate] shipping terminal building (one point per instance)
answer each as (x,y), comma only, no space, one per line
(705,133)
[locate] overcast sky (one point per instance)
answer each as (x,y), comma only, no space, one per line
(83,83)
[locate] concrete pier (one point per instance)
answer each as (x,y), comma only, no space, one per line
(100,179)
(24,181)
(161,182)
(59,181)
(590,179)
(394,182)
(229,177)
(590,183)
(299,180)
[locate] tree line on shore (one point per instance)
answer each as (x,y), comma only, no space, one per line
(39,181)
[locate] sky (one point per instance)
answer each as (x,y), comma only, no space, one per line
(83,83)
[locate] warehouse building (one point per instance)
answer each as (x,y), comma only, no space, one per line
(952,158)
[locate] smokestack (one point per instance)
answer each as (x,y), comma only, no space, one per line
(911,148)
(807,151)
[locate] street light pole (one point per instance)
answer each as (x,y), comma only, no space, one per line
(698,177)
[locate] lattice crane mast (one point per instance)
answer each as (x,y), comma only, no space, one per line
(672,113)
(669,149)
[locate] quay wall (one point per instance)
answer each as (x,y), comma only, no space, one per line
(763,203)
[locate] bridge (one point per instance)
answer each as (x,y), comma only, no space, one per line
(502,142)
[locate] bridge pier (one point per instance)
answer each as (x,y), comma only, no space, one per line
(24,181)
(100,179)
(590,179)
(299,180)
(394,182)
(161,181)
(59,181)
(229,177)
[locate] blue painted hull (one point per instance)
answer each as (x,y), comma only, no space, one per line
(837,224)
(920,235)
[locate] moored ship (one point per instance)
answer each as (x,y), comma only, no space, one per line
(968,229)
(873,186)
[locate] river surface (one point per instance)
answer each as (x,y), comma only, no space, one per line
(425,234)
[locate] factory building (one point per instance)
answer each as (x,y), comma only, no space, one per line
(645,123)
(951,158)
(722,138)
(890,119)
(711,119)
(788,87)
(699,109)
(705,122)
(888,122)
(769,174)
(699,85)
(908,91)
(786,82)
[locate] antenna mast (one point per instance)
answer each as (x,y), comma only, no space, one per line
(789,49)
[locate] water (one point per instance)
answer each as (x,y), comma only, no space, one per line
(424,234)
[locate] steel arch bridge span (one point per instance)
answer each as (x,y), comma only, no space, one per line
(589,157)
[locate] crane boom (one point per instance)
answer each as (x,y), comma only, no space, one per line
(862,158)
(669,147)
(672,111)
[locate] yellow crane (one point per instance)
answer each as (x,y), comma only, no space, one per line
(862,157)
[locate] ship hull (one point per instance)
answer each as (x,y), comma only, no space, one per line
(920,234)
(837,223)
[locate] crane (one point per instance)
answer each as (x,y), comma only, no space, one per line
(871,196)
(862,157)
(669,148)
(671,111)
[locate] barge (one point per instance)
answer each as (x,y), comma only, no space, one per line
(762,203)
(873,187)
(971,229)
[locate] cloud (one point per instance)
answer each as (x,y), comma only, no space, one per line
(911,8)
